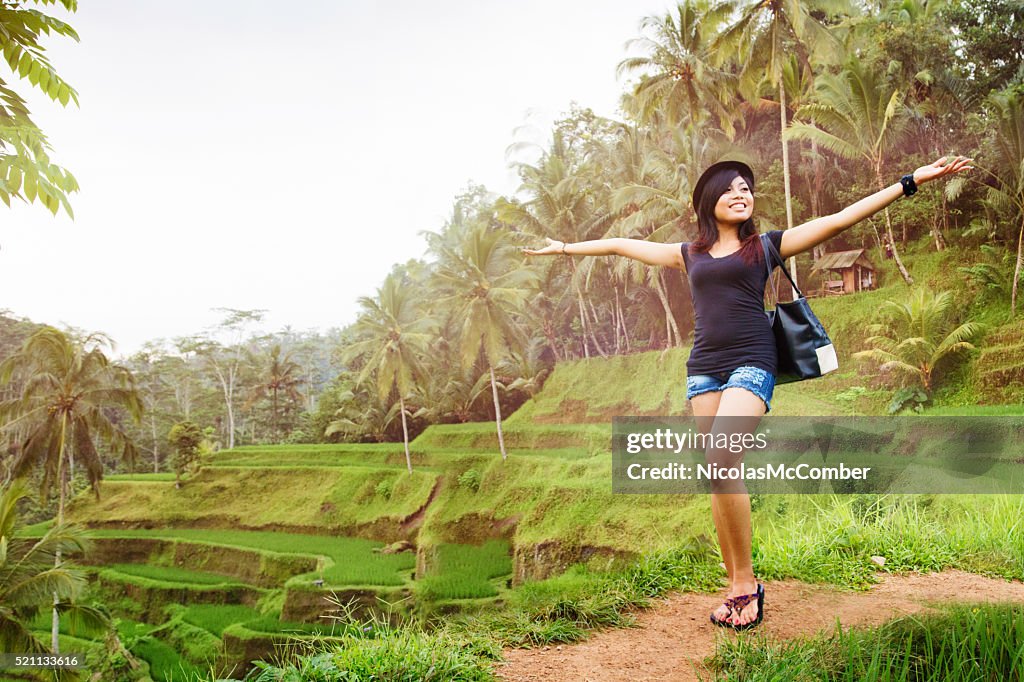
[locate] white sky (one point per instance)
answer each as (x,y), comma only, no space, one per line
(277,155)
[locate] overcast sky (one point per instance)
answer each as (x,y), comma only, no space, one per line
(283,156)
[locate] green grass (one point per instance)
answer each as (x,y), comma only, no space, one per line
(271,624)
(977,411)
(171,574)
(165,664)
(830,539)
(465,571)
(215,617)
(327,500)
(589,390)
(565,608)
(963,643)
(383,651)
(162,476)
(352,560)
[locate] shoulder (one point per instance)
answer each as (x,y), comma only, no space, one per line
(684,249)
(775,236)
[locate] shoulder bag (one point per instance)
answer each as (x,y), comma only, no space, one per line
(804,349)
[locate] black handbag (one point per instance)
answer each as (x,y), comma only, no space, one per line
(804,349)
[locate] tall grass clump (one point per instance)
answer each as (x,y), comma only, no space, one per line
(381,648)
(832,541)
(564,608)
(976,643)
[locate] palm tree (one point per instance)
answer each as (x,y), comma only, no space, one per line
(28,577)
(682,81)
(1004,192)
(561,207)
(860,117)
(1010,145)
(279,376)
(63,406)
(361,414)
(916,336)
(761,39)
(486,286)
(652,192)
(394,336)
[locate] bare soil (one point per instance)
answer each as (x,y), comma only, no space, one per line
(674,636)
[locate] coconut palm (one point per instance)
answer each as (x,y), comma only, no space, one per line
(561,206)
(394,335)
(28,578)
(651,199)
(279,379)
(485,286)
(858,116)
(681,80)
(63,407)
(1004,187)
(916,335)
(362,414)
(762,38)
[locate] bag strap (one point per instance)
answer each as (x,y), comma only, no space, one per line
(766,246)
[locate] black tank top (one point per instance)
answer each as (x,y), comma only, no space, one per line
(731,329)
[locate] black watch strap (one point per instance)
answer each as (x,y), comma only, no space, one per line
(909,186)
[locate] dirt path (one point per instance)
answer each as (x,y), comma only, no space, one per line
(674,636)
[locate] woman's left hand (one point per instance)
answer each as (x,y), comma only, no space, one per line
(940,168)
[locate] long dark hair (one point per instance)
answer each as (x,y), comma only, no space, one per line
(707,228)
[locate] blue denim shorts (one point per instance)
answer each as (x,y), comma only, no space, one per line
(756,380)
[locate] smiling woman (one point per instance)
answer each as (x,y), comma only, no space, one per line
(732,366)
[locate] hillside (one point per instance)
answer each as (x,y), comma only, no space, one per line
(264,538)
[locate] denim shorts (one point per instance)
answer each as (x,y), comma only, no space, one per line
(756,380)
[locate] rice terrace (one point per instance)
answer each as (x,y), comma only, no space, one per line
(427,482)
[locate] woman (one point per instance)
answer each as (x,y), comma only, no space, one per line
(732,366)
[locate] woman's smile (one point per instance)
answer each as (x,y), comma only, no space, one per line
(736,202)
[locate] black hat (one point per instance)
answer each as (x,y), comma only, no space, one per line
(743,169)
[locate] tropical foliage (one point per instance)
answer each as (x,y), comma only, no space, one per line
(30,583)
(917,335)
(26,171)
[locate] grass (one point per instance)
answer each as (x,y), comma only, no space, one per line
(352,561)
(963,643)
(830,539)
(271,624)
(552,498)
(385,652)
(465,571)
(214,618)
(565,608)
(165,664)
(160,477)
(977,411)
(335,500)
(172,574)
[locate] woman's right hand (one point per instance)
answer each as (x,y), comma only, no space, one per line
(554,247)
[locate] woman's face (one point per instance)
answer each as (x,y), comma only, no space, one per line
(736,204)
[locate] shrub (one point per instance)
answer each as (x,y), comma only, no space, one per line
(384,488)
(470,479)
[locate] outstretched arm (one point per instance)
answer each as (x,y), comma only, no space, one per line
(808,235)
(652,253)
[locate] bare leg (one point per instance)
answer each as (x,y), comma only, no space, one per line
(705,407)
(731,512)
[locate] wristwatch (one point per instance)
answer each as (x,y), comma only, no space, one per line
(909,186)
